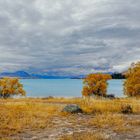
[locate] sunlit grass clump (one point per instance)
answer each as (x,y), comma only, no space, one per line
(15,117)
(102,106)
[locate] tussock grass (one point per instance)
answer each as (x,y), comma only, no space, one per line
(15,117)
(116,122)
(105,105)
(107,120)
(91,105)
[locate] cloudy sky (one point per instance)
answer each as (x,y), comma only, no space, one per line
(69,36)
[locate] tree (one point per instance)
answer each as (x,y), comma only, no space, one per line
(132,82)
(95,84)
(10,87)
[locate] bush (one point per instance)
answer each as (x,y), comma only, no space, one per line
(95,84)
(10,87)
(132,83)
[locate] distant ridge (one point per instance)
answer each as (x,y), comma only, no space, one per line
(25,75)
(19,74)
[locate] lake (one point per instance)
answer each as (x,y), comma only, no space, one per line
(64,87)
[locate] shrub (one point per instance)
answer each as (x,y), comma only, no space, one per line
(132,83)
(10,87)
(95,84)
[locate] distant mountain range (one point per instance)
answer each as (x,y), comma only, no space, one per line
(25,75)
(20,74)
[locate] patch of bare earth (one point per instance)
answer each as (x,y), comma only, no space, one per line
(79,127)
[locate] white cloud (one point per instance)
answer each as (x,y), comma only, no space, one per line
(69,36)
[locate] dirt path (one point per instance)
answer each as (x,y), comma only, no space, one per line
(78,123)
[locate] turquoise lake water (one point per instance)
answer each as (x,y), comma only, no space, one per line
(64,87)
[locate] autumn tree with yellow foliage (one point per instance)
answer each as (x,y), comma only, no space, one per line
(95,84)
(10,87)
(132,82)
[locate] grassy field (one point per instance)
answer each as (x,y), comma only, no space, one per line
(19,116)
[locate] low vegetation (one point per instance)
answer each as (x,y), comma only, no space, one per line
(116,105)
(16,115)
(30,114)
(94,105)
(10,87)
(132,83)
(95,84)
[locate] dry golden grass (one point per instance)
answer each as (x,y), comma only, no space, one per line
(17,116)
(107,120)
(103,106)
(99,105)
(134,122)
(84,136)
(63,100)
(107,113)
(88,105)
(116,122)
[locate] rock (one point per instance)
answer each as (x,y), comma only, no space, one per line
(110,96)
(72,108)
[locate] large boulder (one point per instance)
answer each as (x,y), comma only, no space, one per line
(72,108)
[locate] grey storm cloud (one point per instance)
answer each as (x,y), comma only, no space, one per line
(69,36)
